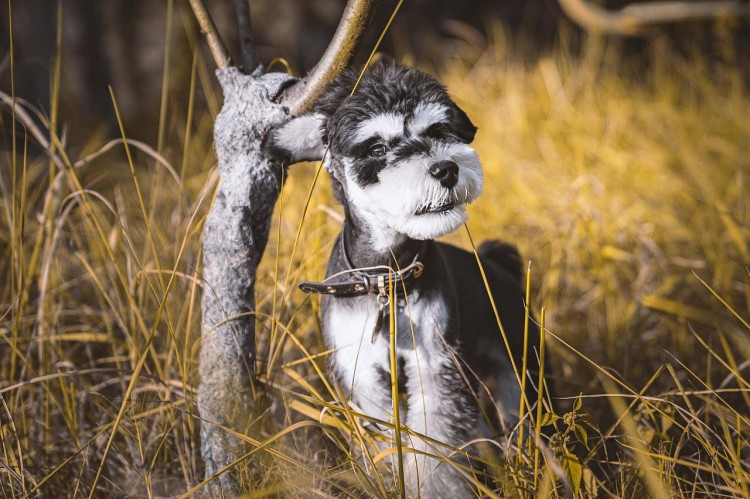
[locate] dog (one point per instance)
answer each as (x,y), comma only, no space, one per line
(398,152)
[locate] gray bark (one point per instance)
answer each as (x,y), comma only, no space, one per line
(234,238)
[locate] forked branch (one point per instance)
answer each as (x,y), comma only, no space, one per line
(352,28)
(301,96)
(634,19)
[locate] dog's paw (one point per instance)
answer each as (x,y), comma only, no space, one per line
(271,149)
(299,139)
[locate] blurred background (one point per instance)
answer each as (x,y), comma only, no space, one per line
(122,43)
(619,165)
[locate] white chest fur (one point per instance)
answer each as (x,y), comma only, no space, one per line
(358,361)
(430,373)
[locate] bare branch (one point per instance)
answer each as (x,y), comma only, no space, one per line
(635,18)
(353,25)
(245,32)
(208,28)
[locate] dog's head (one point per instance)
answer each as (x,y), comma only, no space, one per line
(397,149)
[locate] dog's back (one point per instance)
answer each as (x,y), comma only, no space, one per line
(482,342)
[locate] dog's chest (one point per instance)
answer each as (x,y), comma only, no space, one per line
(363,366)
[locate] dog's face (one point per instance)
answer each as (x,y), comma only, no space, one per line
(398,148)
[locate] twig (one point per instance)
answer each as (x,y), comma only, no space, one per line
(245,32)
(208,28)
(353,25)
(635,18)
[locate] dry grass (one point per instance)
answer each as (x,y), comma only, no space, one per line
(625,185)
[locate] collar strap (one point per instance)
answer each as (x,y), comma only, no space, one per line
(366,281)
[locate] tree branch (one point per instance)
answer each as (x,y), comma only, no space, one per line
(245,32)
(357,15)
(208,28)
(634,19)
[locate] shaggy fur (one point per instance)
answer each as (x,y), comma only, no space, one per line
(398,153)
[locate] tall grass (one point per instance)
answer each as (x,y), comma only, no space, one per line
(624,184)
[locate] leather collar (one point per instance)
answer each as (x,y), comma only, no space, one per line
(368,280)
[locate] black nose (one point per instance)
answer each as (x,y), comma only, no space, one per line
(446,172)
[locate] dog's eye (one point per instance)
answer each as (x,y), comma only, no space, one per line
(377,151)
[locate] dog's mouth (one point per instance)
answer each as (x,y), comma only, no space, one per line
(443,208)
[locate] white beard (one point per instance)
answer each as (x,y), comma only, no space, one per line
(389,207)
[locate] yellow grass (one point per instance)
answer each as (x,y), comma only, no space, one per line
(625,184)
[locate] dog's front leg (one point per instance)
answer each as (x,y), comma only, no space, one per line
(440,405)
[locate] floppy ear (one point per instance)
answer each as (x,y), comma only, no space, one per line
(461,124)
(299,139)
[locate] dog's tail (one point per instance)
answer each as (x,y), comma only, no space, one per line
(503,254)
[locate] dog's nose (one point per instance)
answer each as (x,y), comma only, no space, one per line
(446,172)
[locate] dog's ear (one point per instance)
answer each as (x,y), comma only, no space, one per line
(299,139)
(461,124)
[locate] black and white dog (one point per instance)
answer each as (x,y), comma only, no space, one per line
(398,152)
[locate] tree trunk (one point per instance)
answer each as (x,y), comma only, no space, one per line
(235,236)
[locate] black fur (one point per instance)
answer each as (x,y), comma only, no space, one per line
(503,254)
(275,152)
(385,87)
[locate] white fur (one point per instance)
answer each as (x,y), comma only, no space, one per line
(386,125)
(302,137)
(390,205)
(427,114)
(348,330)
(349,333)
(423,366)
